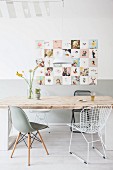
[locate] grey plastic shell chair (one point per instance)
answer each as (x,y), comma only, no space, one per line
(21,123)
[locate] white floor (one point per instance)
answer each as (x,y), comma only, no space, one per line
(57,143)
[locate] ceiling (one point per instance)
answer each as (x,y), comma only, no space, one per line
(27,8)
(54,8)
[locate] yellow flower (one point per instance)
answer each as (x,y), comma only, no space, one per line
(19,74)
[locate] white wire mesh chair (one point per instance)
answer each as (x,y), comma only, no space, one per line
(92,121)
(75,111)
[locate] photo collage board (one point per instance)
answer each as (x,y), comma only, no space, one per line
(82,71)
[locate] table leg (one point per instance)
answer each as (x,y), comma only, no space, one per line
(5,140)
(4,129)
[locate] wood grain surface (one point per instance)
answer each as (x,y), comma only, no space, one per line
(55,102)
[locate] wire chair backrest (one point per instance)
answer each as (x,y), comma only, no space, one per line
(93,119)
(82,93)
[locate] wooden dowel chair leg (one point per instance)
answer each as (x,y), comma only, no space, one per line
(43,143)
(15,144)
(29,145)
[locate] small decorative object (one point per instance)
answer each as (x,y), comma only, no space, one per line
(92,96)
(37,93)
(28,81)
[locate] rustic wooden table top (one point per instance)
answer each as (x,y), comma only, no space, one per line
(55,102)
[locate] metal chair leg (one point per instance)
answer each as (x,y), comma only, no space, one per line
(87,154)
(103,147)
(78,157)
(92,140)
(72,119)
(70,142)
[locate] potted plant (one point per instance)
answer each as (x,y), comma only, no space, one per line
(37,93)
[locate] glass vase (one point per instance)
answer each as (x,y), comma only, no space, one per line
(30,93)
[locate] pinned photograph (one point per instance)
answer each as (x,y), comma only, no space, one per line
(93,53)
(49,80)
(84,71)
(39,44)
(93,62)
(48,62)
(84,80)
(67,52)
(49,71)
(93,71)
(66,71)
(75,53)
(58,80)
(57,52)
(75,71)
(66,80)
(84,53)
(48,53)
(75,80)
(93,80)
(57,71)
(84,62)
(40,71)
(57,44)
(93,44)
(40,80)
(84,44)
(66,44)
(40,62)
(75,44)
(40,53)
(76,62)
(48,44)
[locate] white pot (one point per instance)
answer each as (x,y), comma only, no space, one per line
(38,96)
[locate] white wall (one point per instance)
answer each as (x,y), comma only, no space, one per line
(82,20)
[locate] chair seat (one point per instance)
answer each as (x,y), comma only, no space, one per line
(37,126)
(87,128)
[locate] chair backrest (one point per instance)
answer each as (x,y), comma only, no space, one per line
(93,120)
(82,93)
(20,120)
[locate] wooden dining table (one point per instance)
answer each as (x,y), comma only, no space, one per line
(55,102)
(51,102)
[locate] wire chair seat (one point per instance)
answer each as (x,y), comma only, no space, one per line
(86,128)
